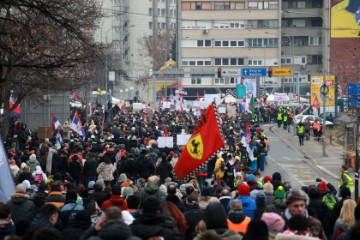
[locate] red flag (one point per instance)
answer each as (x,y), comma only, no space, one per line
(316,103)
(75,94)
(197,96)
(203,143)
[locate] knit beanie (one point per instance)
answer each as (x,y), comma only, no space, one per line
(323,187)
(296,194)
(276,176)
(244,190)
(273,220)
(268,188)
(267,179)
(122,178)
(280,192)
(126,183)
(250,177)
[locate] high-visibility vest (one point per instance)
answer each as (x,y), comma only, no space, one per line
(300,130)
(350,184)
(285,118)
(279,117)
(239,227)
(255,117)
(315,126)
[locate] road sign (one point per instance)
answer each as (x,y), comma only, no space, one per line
(230,72)
(281,72)
(353,95)
(253,72)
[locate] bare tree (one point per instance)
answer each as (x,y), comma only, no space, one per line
(45,45)
(157,48)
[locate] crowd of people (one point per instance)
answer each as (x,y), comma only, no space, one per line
(118,184)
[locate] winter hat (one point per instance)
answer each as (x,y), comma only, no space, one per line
(250,177)
(296,194)
(323,187)
(122,178)
(254,233)
(101,183)
(215,216)
(280,192)
(253,193)
(115,230)
(38,170)
(314,193)
(268,188)
(27,184)
(171,153)
(126,183)
(260,198)
(32,157)
(244,190)
(274,221)
(20,188)
(267,179)
(22,165)
(345,193)
(206,192)
(182,188)
(276,176)
(91,185)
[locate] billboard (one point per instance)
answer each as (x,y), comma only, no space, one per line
(345,19)
(316,83)
(245,85)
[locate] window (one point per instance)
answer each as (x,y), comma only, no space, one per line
(196,80)
(185,63)
(225,43)
(207,63)
(185,5)
(252,5)
(217,61)
(217,43)
(207,43)
(273,5)
(241,43)
(300,41)
(237,5)
(192,63)
(315,41)
(150,25)
(150,11)
(233,43)
(204,43)
(314,59)
(229,61)
(200,63)
(233,61)
(298,23)
(200,43)
(300,4)
(255,62)
(163,25)
(225,61)
(240,61)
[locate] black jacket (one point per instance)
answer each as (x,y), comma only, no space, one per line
(20,206)
(193,215)
(90,167)
(75,169)
(319,210)
(75,230)
(149,225)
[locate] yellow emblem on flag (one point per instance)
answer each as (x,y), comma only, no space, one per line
(195,146)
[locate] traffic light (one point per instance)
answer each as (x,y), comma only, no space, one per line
(219,72)
(270,72)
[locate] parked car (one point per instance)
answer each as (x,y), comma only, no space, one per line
(330,116)
(311,118)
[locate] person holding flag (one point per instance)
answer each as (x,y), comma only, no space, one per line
(76,125)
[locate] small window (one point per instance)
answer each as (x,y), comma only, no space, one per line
(185,63)
(233,61)
(207,43)
(225,43)
(200,63)
(217,43)
(192,63)
(241,43)
(207,63)
(217,61)
(240,61)
(233,43)
(225,61)
(200,43)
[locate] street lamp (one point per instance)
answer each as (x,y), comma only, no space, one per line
(324,67)
(126,94)
(131,93)
(121,93)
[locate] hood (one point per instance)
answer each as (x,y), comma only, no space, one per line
(245,200)
(115,229)
(117,200)
(151,188)
(19,198)
(149,219)
(280,203)
(236,217)
(32,161)
(38,170)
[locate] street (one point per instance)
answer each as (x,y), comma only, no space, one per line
(293,166)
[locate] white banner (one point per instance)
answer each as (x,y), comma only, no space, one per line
(182,139)
(165,142)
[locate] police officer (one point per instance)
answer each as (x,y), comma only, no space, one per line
(345,179)
(300,130)
(279,118)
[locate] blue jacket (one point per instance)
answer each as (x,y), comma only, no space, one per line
(248,204)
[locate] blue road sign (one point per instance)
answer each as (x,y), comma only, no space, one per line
(353,95)
(253,72)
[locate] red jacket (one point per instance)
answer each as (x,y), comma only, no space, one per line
(116,201)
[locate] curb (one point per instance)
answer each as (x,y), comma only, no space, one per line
(310,160)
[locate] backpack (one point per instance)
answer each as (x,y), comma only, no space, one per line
(329,200)
(39,177)
(222,166)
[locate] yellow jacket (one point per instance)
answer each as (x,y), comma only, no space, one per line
(217,169)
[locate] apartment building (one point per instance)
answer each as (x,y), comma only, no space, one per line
(302,41)
(230,35)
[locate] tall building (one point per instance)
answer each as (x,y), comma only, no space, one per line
(124,24)
(229,35)
(302,40)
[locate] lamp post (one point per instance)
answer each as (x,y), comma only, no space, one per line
(131,93)
(126,93)
(324,68)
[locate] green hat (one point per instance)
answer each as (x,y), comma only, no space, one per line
(280,192)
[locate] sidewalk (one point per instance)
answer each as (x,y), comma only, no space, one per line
(312,151)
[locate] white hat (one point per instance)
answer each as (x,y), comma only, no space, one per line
(32,157)
(20,188)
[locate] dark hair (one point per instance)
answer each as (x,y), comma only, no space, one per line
(116,190)
(71,195)
(48,210)
(97,187)
(39,199)
(4,211)
(171,189)
(151,205)
(133,201)
(47,234)
(344,167)
(299,223)
(90,207)
(355,232)
(113,213)
(55,186)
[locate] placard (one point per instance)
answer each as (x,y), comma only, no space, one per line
(182,139)
(231,111)
(165,142)
(137,107)
(221,110)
